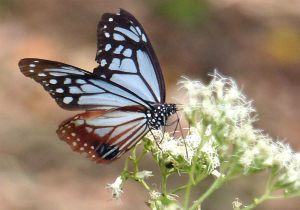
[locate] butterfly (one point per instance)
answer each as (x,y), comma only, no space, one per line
(123,99)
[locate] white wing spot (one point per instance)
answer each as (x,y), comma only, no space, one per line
(118,37)
(31,70)
(139,30)
(53,81)
(78,139)
(128,33)
(73,134)
(133,30)
(119,49)
(58,90)
(63,131)
(75,90)
(107,34)
(68,137)
(127,52)
(57,74)
(37,61)
(74,143)
(128,65)
(78,122)
(115,64)
(89,129)
(31,65)
(80,81)
(110,19)
(103,76)
(93,156)
(81,148)
(92,147)
(107,47)
(67,81)
(85,144)
(103,62)
(67,100)
(144,38)
(105,26)
(91,89)
(41,74)
(47,85)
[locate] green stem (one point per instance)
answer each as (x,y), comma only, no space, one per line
(237,176)
(126,164)
(266,196)
(213,187)
(164,184)
(284,196)
(179,189)
(134,161)
(269,185)
(191,173)
(191,181)
(256,202)
(218,182)
(165,174)
(139,159)
(145,185)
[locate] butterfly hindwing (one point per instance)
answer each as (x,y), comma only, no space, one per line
(124,53)
(77,89)
(103,136)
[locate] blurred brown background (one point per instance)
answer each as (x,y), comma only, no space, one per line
(255,42)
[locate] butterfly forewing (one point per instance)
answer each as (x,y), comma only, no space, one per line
(103,136)
(125,54)
(77,89)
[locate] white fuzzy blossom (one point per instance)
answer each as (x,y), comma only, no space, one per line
(116,188)
(181,151)
(155,203)
(143,174)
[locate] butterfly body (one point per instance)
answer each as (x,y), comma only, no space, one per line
(124,97)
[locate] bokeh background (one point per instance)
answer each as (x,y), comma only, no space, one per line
(256,42)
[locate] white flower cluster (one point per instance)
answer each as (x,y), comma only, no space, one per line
(222,108)
(155,202)
(180,152)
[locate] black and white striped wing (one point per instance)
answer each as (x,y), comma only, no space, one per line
(106,137)
(77,89)
(126,57)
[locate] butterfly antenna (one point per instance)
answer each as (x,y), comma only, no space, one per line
(155,140)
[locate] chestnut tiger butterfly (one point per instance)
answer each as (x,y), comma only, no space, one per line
(124,97)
